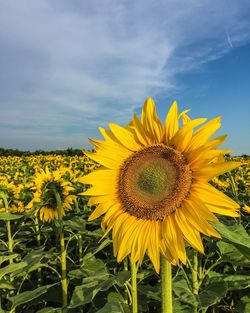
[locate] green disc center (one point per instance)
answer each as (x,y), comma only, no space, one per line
(152,179)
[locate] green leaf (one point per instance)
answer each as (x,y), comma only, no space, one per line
(122,277)
(29,295)
(231,254)
(11,268)
(183,292)
(150,292)
(50,310)
(213,291)
(7,216)
(4,284)
(235,235)
(76,223)
(237,282)
(115,297)
(179,307)
(114,307)
(103,245)
(243,305)
(91,269)
(84,294)
(4,258)
(93,266)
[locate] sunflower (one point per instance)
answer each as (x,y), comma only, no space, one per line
(7,191)
(153,184)
(46,183)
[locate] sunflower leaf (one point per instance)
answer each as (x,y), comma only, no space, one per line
(183,292)
(213,291)
(114,307)
(231,254)
(30,295)
(236,235)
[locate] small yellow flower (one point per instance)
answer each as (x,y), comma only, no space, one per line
(46,183)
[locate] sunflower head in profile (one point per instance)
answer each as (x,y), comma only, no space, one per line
(46,184)
(153,184)
(7,191)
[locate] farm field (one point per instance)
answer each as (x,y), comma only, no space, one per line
(51,259)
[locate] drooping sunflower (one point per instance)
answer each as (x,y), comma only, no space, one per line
(46,183)
(153,184)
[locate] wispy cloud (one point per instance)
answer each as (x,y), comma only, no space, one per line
(67,67)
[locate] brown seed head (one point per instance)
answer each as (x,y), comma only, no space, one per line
(154,181)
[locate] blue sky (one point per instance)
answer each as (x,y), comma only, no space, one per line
(68,67)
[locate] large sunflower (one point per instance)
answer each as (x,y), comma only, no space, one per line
(46,183)
(153,184)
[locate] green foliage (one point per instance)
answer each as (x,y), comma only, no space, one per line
(30,276)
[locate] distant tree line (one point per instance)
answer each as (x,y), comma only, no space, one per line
(16,152)
(68,152)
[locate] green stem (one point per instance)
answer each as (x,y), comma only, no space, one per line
(134,287)
(8,226)
(195,277)
(195,274)
(166,286)
(38,237)
(10,241)
(64,283)
(80,243)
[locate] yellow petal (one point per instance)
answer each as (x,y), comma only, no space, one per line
(100,175)
(100,209)
(174,238)
(185,118)
(205,156)
(210,171)
(127,239)
(202,135)
(125,137)
(151,122)
(246,208)
(191,235)
(215,200)
(182,138)
(197,221)
(111,161)
(145,238)
(101,189)
(200,208)
(172,123)
(102,199)
(140,132)
(154,247)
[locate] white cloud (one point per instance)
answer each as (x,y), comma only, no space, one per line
(92,62)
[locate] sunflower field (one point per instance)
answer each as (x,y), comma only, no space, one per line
(31,258)
(154,219)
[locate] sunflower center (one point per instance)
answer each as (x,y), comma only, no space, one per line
(154,181)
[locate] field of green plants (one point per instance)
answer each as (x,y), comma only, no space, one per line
(61,263)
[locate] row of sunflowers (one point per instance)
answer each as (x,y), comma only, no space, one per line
(30,254)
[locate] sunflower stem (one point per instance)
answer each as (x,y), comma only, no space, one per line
(8,226)
(195,277)
(134,287)
(38,237)
(166,286)
(195,273)
(80,244)
(64,283)
(10,240)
